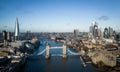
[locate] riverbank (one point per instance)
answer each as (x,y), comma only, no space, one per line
(14,56)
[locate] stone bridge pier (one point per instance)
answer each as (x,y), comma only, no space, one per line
(64,51)
(47,51)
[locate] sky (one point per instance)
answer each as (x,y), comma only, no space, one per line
(59,15)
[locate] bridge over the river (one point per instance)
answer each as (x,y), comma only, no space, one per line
(64,51)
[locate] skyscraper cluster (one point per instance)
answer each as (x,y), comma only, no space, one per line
(109,32)
(94,31)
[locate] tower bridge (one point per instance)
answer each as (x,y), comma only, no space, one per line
(65,51)
(56,47)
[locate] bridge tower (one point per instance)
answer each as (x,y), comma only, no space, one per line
(47,51)
(64,51)
(47,56)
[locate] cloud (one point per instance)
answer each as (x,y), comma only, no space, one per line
(103,18)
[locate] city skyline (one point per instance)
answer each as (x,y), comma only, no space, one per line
(58,15)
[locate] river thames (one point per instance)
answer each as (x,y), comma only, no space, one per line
(38,63)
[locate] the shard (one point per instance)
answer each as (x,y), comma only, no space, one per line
(16,30)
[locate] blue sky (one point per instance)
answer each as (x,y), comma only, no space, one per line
(59,15)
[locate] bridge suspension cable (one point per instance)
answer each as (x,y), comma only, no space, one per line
(73,53)
(41,52)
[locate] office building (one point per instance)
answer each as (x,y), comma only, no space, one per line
(8,36)
(4,38)
(76,32)
(95,31)
(106,33)
(110,32)
(100,33)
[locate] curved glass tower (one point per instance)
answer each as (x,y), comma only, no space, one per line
(16,30)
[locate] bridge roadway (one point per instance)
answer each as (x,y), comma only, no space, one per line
(56,47)
(69,52)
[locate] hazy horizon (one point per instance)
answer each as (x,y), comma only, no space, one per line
(58,15)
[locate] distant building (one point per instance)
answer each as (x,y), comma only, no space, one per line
(106,33)
(28,35)
(76,32)
(1,37)
(8,36)
(110,31)
(117,37)
(4,38)
(95,30)
(91,29)
(4,35)
(16,29)
(114,34)
(100,34)
(91,32)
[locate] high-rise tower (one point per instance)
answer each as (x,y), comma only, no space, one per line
(110,32)
(76,32)
(106,33)
(95,29)
(16,30)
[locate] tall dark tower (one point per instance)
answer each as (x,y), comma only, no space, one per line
(16,30)
(106,33)
(95,29)
(4,38)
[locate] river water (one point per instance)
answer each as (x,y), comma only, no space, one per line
(38,63)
